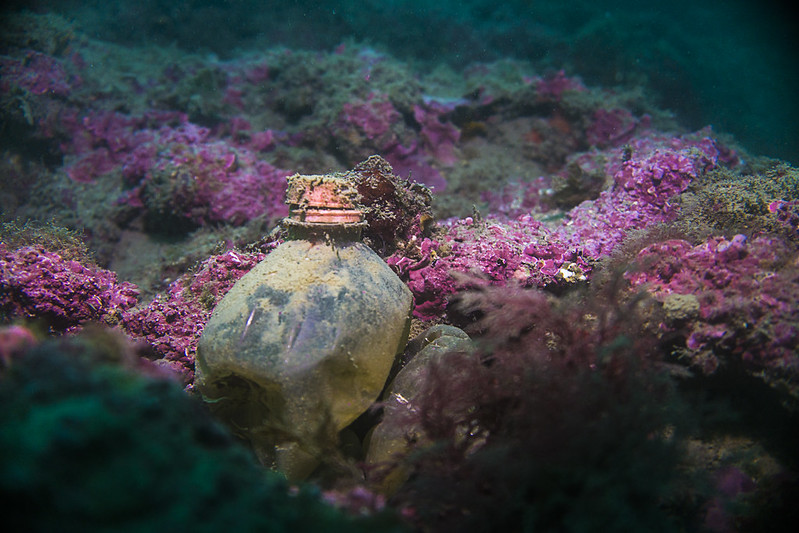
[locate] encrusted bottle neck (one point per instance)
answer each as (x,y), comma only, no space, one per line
(323,207)
(313,231)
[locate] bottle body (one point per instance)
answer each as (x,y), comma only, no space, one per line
(301,346)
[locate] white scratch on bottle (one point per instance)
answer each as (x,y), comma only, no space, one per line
(247,325)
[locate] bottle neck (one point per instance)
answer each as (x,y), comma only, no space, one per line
(315,224)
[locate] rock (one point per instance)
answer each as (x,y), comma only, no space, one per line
(680,308)
(389,440)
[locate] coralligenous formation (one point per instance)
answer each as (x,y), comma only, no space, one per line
(546,192)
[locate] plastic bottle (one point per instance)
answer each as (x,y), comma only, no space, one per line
(303,343)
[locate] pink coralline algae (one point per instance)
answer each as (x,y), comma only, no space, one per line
(517,199)
(498,251)
(102,141)
(787,213)
(67,294)
(211,181)
(647,174)
(241,131)
(177,167)
(36,72)
(15,340)
(373,125)
(412,162)
(552,87)
(746,292)
(373,117)
(368,125)
(439,136)
(172,324)
(610,127)
(524,250)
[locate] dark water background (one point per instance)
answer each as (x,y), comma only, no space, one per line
(728,63)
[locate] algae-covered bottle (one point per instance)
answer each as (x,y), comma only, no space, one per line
(304,342)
